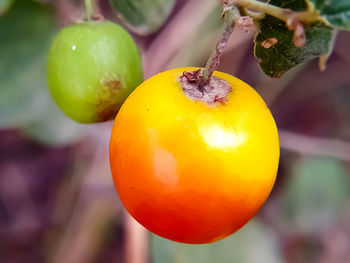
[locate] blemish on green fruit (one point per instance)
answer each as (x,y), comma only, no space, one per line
(107,108)
(113,85)
(92,68)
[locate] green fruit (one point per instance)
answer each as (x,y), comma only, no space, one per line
(92,68)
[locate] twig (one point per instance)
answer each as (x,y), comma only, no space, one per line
(14,190)
(314,145)
(84,209)
(230,13)
(136,241)
(294,20)
(283,14)
(89,9)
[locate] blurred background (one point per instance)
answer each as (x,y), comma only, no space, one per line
(57,199)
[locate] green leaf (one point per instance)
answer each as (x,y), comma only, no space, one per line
(284,55)
(253,243)
(143,17)
(317,192)
(5,5)
(25,35)
(336,12)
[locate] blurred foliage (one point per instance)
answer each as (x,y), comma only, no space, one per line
(28,28)
(337,12)
(317,192)
(143,16)
(5,5)
(253,243)
(52,127)
(208,31)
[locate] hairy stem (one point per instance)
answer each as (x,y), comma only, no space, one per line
(89,9)
(230,13)
(283,14)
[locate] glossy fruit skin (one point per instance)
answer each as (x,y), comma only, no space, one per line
(189,171)
(92,68)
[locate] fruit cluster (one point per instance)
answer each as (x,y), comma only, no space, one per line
(192,163)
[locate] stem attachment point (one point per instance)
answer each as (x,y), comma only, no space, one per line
(215,91)
(200,84)
(89,10)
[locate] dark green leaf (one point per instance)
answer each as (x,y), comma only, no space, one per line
(336,12)
(317,192)
(143,16)
(284,55)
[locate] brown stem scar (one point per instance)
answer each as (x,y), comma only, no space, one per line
(216,90)
(200,84)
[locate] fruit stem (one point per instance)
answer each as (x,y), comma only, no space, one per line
(89,9)
(294,20)
(284,14)
(230,13)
